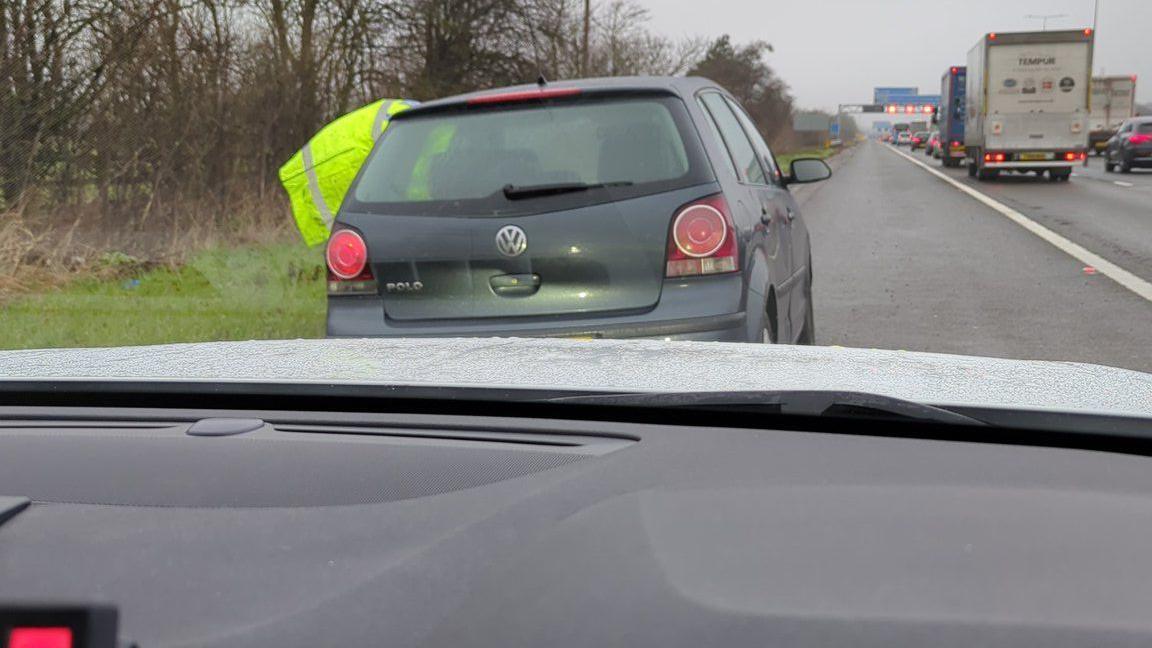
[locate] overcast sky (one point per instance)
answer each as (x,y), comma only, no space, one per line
(835,51)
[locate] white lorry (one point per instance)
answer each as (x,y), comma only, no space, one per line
(1113,101)
(1027,103)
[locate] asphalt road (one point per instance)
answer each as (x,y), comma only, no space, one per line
(904,260)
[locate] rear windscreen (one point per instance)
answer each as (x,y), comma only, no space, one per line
(463,160)
(1144,129)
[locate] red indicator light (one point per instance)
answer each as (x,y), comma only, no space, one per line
(1133,78)
(955,70)
(992,36)
(1069,156)
(927,110)
(699,231)
(909,109)
(526,95)
(1088,31)
(891,109)
(347,254)
(40,638)
(999,157)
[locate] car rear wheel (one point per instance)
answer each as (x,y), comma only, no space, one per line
(808,334)
(971,169)
(1109,167)
(1125,165)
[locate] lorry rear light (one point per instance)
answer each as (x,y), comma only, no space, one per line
(702,240)
(348,269)
(1087,31)
(992,36)
(956,144)
(994,157)
(1070,156)
(955,70)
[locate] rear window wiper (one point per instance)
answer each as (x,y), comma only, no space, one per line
(844,404)
(512,192)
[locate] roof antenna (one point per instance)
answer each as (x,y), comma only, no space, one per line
(541,81)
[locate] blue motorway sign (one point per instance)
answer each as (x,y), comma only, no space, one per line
(884,95)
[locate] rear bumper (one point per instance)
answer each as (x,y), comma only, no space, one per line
(703,308)
(717,328)
(1139,158)
(1039,164)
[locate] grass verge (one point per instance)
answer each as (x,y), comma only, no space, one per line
(785,159)
(258,292)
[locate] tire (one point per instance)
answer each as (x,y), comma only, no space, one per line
(808,335)
(1109,166)
(1125,165)
(971,169)
(985,175)
(768,333)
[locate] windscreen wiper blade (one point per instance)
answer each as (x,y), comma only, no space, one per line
(512,192)
(845,404)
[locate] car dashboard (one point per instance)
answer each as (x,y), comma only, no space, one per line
(276,527)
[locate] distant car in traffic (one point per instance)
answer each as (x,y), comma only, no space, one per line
(886,137)
(1131,146)
(919,140)
(904,138)
(631,207)
(932,148)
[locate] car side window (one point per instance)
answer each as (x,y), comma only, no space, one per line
(758,142)
(739,146)
(1126,128)
(719,138)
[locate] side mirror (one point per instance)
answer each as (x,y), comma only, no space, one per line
(808,170)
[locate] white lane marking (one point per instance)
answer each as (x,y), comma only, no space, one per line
(1074,250)
(1119,183)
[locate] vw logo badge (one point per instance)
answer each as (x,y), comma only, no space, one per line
(511,241)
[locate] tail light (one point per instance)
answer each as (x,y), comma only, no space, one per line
(348,269)
(1072,156)
(703,240)
(994,157)
(1140,138)
(956,145)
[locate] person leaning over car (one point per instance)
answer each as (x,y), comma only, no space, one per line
(319,174)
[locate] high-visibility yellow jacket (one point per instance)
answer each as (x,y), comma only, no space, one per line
(318,175)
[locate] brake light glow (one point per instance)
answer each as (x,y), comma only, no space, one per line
(928,110)
(992,36)
(956,144)
(1140,138)
(994,157)
(1088,31)
(524,95)
(347,254)
(45,637)
(955,70)
(703,240)
(1072,156)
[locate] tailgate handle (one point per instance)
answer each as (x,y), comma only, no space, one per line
(515,285)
